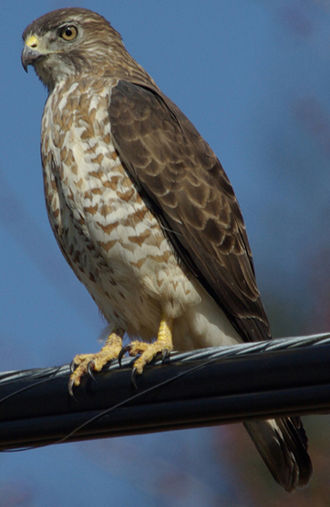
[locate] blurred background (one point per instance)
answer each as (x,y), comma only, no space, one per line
(254,78)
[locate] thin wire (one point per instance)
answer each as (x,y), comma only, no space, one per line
(131,398)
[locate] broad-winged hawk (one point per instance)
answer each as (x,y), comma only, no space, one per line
(145,214)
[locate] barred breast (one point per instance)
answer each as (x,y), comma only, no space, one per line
(112,241)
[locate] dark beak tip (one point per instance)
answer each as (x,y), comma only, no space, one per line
(24,62)
(28,57)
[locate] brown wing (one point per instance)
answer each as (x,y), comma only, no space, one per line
(183,182)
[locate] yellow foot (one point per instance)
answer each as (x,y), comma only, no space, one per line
(86,363)
(163,345)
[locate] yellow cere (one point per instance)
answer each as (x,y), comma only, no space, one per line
(32,41)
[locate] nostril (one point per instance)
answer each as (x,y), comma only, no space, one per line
(32,42)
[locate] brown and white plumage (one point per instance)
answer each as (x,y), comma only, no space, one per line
(142,209)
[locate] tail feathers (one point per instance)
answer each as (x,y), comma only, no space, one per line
(282,444)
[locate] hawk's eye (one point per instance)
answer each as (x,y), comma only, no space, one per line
(69,32)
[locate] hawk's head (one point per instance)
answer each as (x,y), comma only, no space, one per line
(70,41)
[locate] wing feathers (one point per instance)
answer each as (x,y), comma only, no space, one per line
(183,182)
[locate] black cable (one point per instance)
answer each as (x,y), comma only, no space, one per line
(200,388)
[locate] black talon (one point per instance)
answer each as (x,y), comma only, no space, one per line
(165,355)
(72,366)
(89,369)
(133,378)
(70,387)
(123,351)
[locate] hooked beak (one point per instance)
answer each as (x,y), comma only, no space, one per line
(30,53)
(29,57)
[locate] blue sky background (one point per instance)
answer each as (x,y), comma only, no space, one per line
(254,78)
